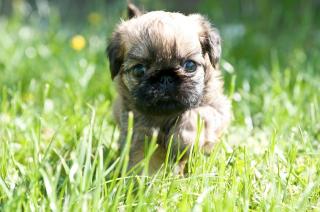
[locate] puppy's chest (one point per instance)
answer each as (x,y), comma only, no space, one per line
(165,134)
(163,129)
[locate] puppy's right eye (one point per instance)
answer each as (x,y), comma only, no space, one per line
(190,66)
(138,70)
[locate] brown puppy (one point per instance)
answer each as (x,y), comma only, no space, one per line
(165,66)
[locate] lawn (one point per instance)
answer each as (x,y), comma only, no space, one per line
(58,139)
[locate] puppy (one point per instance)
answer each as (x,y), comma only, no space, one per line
(165,67)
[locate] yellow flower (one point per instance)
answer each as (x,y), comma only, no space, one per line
(94,18)
(78,42)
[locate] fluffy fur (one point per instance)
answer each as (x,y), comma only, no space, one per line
(167,98)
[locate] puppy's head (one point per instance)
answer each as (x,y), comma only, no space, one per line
(160,59)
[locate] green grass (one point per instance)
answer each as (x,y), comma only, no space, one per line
(58,140)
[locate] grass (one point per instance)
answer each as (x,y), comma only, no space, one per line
(58,148)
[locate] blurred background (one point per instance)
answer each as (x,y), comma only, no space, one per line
(251,29)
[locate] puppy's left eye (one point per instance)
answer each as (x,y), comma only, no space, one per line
(138,70)
(190,66)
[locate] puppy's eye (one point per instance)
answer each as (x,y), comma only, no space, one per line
(138,70)
(190,66)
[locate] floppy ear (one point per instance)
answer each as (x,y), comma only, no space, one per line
(133,11)
(210,39)
(115,54)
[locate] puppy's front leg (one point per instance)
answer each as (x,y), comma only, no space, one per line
(214,120)
(137,154)
(138,149)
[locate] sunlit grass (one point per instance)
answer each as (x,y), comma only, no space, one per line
(58,140)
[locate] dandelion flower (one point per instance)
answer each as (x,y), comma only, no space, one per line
(78,42)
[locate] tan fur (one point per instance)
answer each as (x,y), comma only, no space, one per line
(172,36)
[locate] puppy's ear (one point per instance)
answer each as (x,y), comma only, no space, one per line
(133,11)
(115,54)
(210,39)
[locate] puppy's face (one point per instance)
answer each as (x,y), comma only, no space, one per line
(159,60)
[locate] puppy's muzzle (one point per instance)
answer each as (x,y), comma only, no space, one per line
(166,82)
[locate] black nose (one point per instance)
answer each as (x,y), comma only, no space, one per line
(166,80)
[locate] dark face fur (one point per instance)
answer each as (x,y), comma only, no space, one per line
(159,62)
